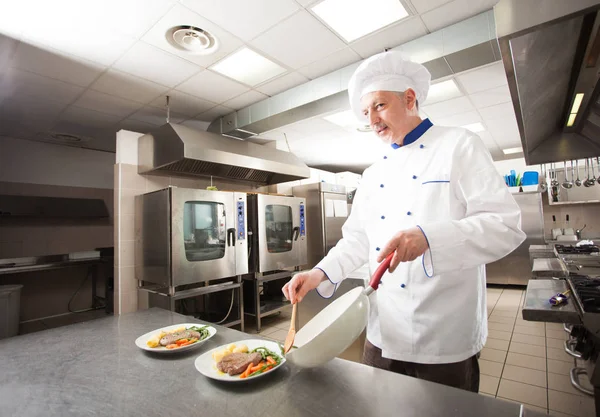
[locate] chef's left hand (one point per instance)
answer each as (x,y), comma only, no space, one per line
(408,245)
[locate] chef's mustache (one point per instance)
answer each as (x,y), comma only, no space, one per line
(378,126)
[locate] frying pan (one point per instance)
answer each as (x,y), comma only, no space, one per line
(337,326)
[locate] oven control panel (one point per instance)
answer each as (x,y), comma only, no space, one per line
(241,223)
(302,222)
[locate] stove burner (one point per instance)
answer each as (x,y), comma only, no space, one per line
(588,291)
(577,250)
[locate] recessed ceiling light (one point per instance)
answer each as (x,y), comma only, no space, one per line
(347,120)
(475,127)
(192,39)
(353,19)
(509,151)
(571,120)
(443,91)
(248,67)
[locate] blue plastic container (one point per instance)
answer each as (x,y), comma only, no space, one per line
(530,178)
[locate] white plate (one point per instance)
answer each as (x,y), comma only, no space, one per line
(206,365)
(141,341)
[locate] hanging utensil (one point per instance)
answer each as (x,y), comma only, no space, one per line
(598,159)
(555,182)
(289,340)
(542,181)
(593,180)
(578,181)
(567,184)
(586,182)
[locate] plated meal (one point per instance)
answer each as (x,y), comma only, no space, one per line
(246,359)
(175,338)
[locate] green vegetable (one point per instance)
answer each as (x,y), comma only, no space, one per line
(264,352)
(204,333)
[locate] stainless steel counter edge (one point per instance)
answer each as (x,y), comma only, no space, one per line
(94,368)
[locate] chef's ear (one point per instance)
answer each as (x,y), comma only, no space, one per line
(410,98)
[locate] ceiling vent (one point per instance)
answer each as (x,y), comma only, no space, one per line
(192,40)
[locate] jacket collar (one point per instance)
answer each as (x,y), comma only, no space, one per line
(415,134)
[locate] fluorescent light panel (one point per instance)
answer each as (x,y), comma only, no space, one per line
(475,127)
(577,102)
(509,151)
(571,119)
(343,119)
(443,91)
(353,19)
(248,67)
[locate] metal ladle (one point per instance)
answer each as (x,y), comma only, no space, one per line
(593,180)
(578,181)
(568,184)
(586,183)
(598,159)
(554,181)
(543,184)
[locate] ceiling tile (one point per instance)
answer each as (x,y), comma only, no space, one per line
(306,3)
(56,64)
(127,86)
(196,124)
(183,103)
(105,103)
(422,6)
(442,91)
(298,41)
(8,47)
(156,116)
(90,118)
(285,82)
(95,43)
(449,108)
(488,140)
(483,78)
(30,111)
(213,87)
(315,126)
(459,119)
(180,15)
(214,113)
(131,17)
(335,61)
(155,65)
(390,37)
(245,19)
(245,99)
(491,97)
(503,111)
(135,126)
(14,82)
(454,12)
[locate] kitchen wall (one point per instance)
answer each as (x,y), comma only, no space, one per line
(43,169)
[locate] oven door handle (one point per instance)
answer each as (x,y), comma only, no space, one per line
(296,231)
(570,348)
(230,234)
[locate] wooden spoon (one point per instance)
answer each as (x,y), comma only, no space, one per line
(289,340)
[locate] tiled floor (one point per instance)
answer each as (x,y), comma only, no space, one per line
(525,361)
(522,361)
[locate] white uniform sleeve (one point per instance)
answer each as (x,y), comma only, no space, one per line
(491,227)
(351,251)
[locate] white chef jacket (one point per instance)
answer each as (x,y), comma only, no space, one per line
(433,309)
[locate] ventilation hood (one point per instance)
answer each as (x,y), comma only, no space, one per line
(550,51)
(174,149)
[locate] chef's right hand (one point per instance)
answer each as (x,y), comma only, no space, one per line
(302,283)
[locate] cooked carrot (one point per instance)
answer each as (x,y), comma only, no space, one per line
(172,346)
(257,367)
(185,344)
(246,372)
(271,360)
(181,341)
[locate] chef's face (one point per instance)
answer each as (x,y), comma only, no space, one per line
(390,114)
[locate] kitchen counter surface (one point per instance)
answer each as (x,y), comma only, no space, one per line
(95,369)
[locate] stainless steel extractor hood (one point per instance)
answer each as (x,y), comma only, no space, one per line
(550,51)
(174,149)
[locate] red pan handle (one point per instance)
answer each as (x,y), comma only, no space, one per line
(380,271)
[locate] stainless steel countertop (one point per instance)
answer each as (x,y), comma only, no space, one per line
(537,305)
(94,368)
(43,263)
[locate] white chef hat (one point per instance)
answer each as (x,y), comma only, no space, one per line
(387,71)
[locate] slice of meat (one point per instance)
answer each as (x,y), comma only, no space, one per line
(173,337)
(236,363)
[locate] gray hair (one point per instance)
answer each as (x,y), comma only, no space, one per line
(401,95)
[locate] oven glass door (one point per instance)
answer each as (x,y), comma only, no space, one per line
(203,235)
(282,235)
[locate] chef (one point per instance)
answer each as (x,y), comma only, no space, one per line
(436,201)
